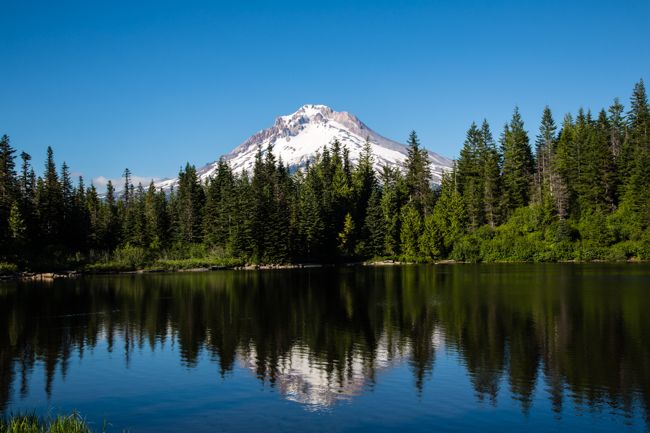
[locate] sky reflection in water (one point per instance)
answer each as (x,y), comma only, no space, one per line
(452,348)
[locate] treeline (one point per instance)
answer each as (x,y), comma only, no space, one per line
(582,192)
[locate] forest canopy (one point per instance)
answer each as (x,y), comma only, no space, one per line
(578,190)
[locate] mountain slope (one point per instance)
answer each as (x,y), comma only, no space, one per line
(296,138)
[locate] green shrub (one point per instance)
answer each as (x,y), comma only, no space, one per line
(192,263)
(467,249)
(595,229)
(563,232)
(588,251)
(8,268)
(126,258)
(131,256)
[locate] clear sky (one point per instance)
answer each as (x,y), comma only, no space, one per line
(152,84)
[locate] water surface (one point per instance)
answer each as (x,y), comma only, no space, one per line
(415,348)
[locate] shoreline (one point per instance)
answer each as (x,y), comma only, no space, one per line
(51,276)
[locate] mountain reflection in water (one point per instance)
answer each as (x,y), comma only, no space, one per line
(577,334)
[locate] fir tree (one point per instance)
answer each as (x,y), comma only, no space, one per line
(470,176)
(50,203)
(218,211)
(80,219)
(312,227)
(364,184)
(374,227)
(190,202)
(562,172)
(93,210)
(8,189)
(491,177)
(544,149)
(418,175)
(432,240)
(449,218)
(410,232)
(244,211)
(27,197)
(517,164)
(17,228)
(67,192)
(617,142)
(346,238)
(393,198)
(110,223)
(637,193)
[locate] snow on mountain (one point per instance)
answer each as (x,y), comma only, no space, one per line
(296,138)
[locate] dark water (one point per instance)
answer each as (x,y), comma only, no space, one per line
(427,348)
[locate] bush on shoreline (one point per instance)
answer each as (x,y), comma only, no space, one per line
(8,268)
(132,258)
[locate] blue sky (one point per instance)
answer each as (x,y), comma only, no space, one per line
(152,84)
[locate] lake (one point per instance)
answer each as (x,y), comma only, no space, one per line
(459,348)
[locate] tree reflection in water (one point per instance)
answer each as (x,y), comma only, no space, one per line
(320,336)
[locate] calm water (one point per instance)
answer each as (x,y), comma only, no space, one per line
(423,348)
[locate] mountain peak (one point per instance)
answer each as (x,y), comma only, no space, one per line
(298,137)
(315,113)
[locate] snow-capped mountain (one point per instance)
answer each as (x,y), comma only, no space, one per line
(296,138)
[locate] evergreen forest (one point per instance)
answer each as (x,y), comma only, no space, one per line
(578,190)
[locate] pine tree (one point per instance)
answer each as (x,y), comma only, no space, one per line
(161,208)
(449,218)
(67,191)
(50,204)
(190,202)
(128,187)
(93,210)
(618,127)
(393,198)
(432,240)
(517,164)
(639,118)
(218,210)
(346,238)
(17,228)
(600,193)
(260,190)
(338,190)
(637,193)
(617,142)
(418,175)
(544,149)
(411,231)
(27,198)
(581,177)
(243,216)
(470,176)
(8,190)
(491,177)
(562,173)
(277,230)
(374,227)
(364,183)
(126,210)
(80,219)
(312,226)
(142,235)
(110,222)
